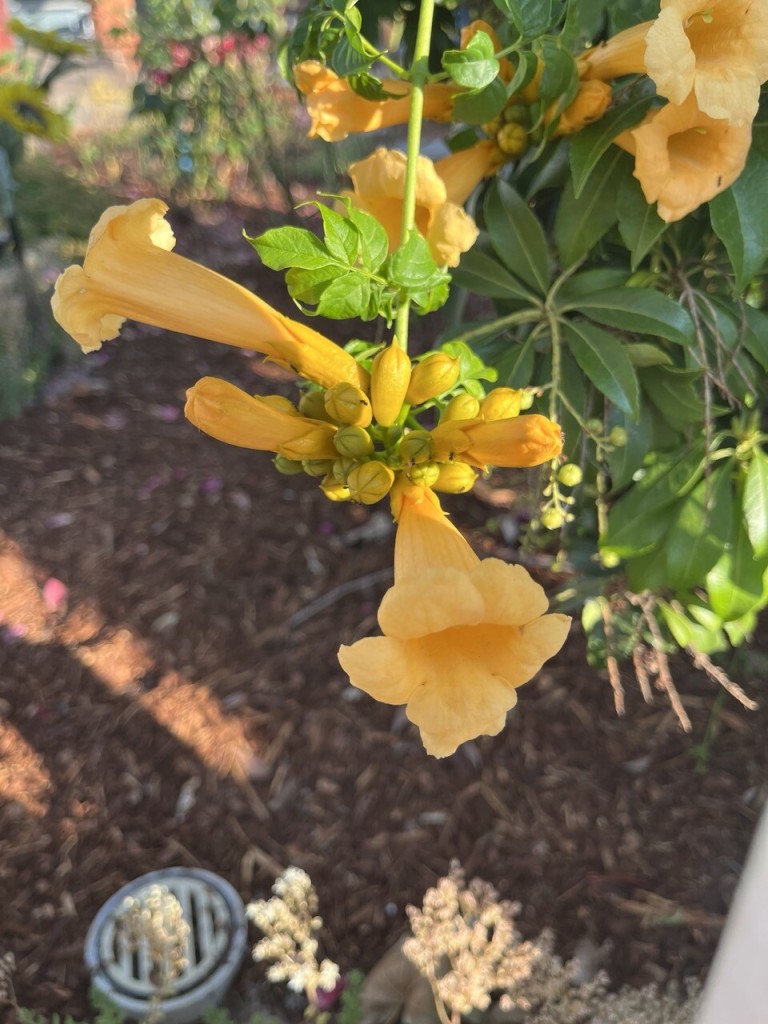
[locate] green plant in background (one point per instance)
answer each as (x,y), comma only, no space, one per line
(208,77)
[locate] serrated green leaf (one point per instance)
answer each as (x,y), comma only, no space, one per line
(429,299)
(735,583)
(582,222)
(374,243)
(291,247)
(475,66)
(412,266)
(641,310)
(700,531)
(349,59)
(346,297)
(603,358)
(479,106)
(307,286)
(755,503)
(340,235)
(517,236)
(640,226)
(589,145)
(739,215)
(480,273)
(674,394)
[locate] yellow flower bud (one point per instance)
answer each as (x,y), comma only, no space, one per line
(526,399)
(281,403)
(314,444)
(455,478)
(512,139)
(390,377)
(462,407)
(312,405)
(424,473)
(501,404)
(288,467)
(432,376)
(317,467)
(416,446)
(346,403)
(333,490)
(370,482)
(354,442)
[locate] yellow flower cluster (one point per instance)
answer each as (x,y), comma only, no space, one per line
(709,61)
(360,433)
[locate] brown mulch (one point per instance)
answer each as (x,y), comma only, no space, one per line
(181,703)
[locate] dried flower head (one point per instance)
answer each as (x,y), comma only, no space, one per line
(289,921)
(154,919)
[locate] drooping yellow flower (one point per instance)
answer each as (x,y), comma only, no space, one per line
(25,109)
(684,158)
(336,110)
(591,102)
(379,183)
(460,634)
(715,49)
(519,441)
(129,272)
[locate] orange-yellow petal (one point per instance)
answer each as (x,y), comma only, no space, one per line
(521,441)
(462,172)
(381,667)
(454,600)
(426,539)
(510,596)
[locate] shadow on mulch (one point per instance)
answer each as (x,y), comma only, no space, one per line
(163,710)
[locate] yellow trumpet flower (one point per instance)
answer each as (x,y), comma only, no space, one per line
(129,272)
(336,110)
(460,634)
(519,441)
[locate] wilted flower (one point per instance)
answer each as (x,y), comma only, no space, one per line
(460,635)
(336,110)
(683,157)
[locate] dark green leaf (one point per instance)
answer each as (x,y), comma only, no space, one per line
(291,247)
(639,224)
(483,275)
(474,67)
(603,358)
(589,145)
(756,335)
(582,222)
(641,310)
(527,63)
(477,107)
(517,236)
(623,462)
(586,283)
(642,354)
(755,503)
(735,583)
(700,531)
(349,59)
(674,394)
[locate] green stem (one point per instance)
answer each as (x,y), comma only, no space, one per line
(419,78)
(524,316)
(554,394)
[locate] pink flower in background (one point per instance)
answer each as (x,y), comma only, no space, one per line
(55,594)
(180,54)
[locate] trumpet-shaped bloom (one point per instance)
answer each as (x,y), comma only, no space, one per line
(716,50)
(229,414)
(462,172)
(518,441)
(336,110)
(129,272)
(684,158)
(379,184)
(460,635)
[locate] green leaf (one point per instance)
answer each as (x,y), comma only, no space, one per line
(345,297)
(479,106)
(642,354)
(641,310)
(349,59)
(739,630)
(700,531)
(530,17)
(586,283)
(527,63)
(474,67)
(639,224)
(307,286)
(624,461)
(559,80)
(480,273)
(755,503)
(341,235)
(739,215)
(517,236)
(412,266)
(756,335)
(603,358)
(374,243)
(691,634)
(589,145)
(516,368)
(674,394)
(582,222)
(291,247)
(735,583)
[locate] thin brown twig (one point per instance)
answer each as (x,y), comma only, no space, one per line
(610,661)
(718,675)
(646,602)
(639,654)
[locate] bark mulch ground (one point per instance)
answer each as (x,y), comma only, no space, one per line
(179,701)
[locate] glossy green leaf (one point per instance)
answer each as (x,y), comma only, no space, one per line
(374,243)
(345,297)
(735,583)
(517,236)
(640,310)
(291,247)
(640,226)
(603,358)
(581,222)
(755,503)
(589,145)
(412,265)
(700,531)
(756,335)
(674,393)
(588,282)
(475,66)
(530,17)
(624,461)
(479,106)
(642,354)
(340,235)
(307,286)
(478,272)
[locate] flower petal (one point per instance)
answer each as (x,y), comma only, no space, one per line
(511,596)
(381,667)
(435,600)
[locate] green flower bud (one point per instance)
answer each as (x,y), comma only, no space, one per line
(501,404)
(462,407)
(455,478)
(517,113)
(513,139)
(346,403)
(570,474)
(354,442)
(369,482)
(312,405)
(288,467)
(552,518)
(618,437)
(317,467)
(594,426)
(424,473)
(342,468)
(432,376)
(416,446)
(609,559)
